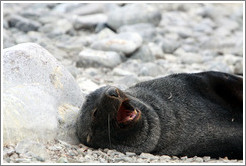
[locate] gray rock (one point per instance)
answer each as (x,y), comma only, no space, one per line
(156,51)
(182,31)
(93,58)
(150,69)
(105,33)
(87,85)
(145,30)
(23,24)
(88,9)
(133,14)
(66,7)
(5,24)
(8,151)
(144,54)
(169,45)
(8,39)
(88,21)
(62,160)
(130,154)
(22,160)
(235,62)
(218,66)
(206,158)
(148,156)
(197,159)
(125,43)
(188,57)
(121,72)
(228,23)
(165,157)
(29,146)
(132,65)
(35,86)
(56,28)
(127,81)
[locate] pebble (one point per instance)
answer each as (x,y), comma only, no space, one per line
(132,14)
(23,24)
(36,149)
(146,30)
(95,58)
(88,21)
(59,27)
(169,45)
(130,154)
(125,43)
(23,160)
(150,69)
(62,160)
(144,54)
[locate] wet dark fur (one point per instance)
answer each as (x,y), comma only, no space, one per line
(197,114)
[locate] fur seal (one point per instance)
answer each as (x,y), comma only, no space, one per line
(198,114)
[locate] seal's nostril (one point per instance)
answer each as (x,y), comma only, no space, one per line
(112,92)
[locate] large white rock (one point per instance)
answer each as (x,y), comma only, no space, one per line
(40,97)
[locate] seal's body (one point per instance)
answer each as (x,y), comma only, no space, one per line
(198,114)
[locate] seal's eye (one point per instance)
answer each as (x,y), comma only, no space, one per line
(94,112)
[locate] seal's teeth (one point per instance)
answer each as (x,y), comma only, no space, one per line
(88,139)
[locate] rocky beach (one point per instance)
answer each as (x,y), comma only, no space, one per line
(79,47)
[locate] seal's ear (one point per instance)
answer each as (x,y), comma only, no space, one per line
(226,88)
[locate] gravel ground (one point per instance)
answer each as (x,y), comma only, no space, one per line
(61,152)
(123,44)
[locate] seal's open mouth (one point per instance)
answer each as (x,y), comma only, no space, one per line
(127,114)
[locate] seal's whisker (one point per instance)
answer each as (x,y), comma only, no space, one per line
(109,131)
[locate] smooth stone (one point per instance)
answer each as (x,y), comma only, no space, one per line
(31,99)
(144,54)
(133,14)
(132,65)
(8,39)
(88,9)
(148,156)
(88,21)
(87,85)
(59,27)
(95,58)
(66,7)
(125,43)
(235,62)
(105,33)
(29,146)
(93,8)
(169,45)
(121,72)
(156,50)
(62,160)
(22,160)
(130,154)
(216,65)
(145,30)
(150,69)
(127,81)
(183,32)
(23,24)
(188,57)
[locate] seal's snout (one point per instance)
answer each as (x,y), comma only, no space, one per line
(112,92)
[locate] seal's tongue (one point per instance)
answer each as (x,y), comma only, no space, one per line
(126,113)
